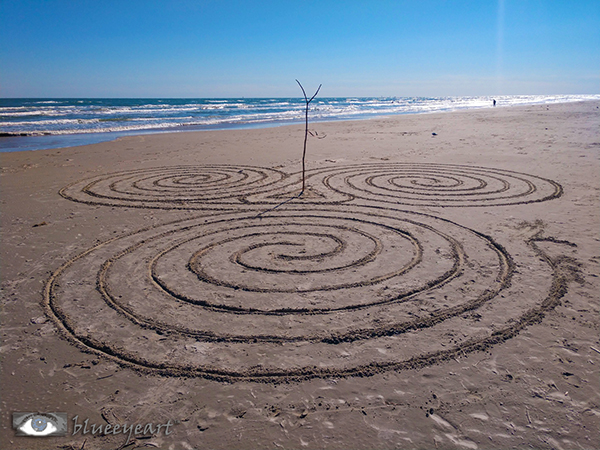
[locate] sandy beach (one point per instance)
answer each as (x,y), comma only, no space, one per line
(436,285)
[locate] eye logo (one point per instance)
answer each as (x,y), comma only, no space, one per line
(40,424)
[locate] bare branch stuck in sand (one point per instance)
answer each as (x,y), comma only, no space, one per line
(307,100)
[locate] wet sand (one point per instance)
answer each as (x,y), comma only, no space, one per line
(435,286)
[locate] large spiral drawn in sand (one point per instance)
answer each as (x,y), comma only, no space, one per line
(303,292)
(224,186)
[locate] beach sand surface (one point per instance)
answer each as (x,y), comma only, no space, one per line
(435,286)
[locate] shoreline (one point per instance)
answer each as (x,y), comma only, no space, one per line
(427,288)
(33,142)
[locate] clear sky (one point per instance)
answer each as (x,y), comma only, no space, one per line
(236,48)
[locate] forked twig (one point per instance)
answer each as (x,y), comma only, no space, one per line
(306,99)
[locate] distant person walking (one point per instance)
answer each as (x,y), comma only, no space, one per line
(494,100)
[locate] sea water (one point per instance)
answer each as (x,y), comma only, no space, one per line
(32,124)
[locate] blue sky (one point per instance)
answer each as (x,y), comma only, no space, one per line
(234,48)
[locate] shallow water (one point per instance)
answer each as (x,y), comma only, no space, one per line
(33,124)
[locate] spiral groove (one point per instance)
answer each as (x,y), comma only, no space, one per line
(204,187)
(338,282)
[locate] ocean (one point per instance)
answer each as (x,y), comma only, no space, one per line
(34,124)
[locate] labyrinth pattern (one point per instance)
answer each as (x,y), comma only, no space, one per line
(222,186)
(309,289)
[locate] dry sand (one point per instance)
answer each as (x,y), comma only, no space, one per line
(426,291)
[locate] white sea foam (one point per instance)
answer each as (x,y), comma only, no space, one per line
(62,117)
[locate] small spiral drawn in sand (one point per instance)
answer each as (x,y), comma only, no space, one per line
(442,185)
(176,187)
(303,292)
